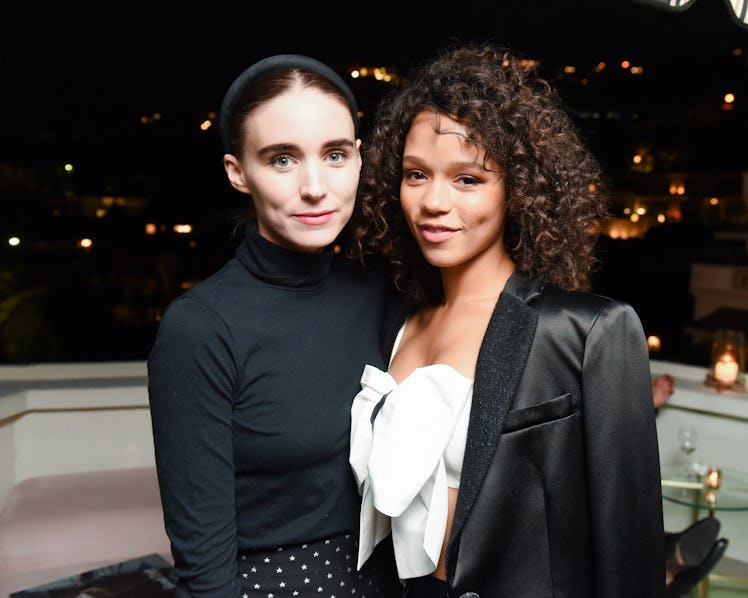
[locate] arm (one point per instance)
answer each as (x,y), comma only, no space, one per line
(190,383)
(622,458)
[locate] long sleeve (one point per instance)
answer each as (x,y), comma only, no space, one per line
(623,458)
(190,371)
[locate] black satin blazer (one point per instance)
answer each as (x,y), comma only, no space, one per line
(560,491)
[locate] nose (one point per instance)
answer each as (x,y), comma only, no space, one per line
(312,184)
(436,198)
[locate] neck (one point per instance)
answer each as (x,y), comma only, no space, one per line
(482,279)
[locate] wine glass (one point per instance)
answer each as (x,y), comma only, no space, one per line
(687,438)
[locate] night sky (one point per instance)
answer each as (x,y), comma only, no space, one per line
(76,80)
(108,60)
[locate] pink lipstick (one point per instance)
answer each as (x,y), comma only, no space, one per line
(314,218)
(436,234)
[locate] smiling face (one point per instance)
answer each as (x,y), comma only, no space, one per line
(454,206)
(301,164)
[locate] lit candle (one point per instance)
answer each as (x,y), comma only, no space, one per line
(713,478)
(726,369)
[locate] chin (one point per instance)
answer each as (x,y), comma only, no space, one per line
(439,261)
(316,241)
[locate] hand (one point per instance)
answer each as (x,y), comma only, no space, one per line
(662,388)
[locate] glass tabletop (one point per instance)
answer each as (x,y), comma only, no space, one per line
(732,494)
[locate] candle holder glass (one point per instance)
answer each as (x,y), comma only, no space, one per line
(727,364)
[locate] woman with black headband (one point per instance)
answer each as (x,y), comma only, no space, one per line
(253,371)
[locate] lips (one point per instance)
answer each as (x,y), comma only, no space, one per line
(436,233)
(314,218)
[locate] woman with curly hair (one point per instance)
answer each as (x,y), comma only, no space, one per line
(510,449)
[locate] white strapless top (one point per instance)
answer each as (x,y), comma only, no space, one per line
(400,461)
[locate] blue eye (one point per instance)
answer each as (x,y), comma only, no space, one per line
(281,161)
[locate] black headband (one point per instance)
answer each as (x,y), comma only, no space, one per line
(273,64)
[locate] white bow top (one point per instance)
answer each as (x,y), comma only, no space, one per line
(399,460)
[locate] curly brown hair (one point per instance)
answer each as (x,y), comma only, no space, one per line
(556,203)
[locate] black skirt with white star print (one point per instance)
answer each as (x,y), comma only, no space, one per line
(323,569)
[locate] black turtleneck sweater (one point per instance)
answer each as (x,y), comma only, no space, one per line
(251,380)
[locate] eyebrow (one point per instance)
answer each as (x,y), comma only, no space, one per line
(458,165)
(284,147)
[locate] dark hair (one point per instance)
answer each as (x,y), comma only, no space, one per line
(267,88)
(235,100)
(554,186)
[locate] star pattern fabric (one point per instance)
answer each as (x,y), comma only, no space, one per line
(324,569)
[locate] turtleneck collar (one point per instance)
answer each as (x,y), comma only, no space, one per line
(280,266)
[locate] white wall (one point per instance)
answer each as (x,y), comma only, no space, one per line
(71,418)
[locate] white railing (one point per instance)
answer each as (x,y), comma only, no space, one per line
(65,418)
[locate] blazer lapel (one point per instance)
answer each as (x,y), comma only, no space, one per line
(501,362)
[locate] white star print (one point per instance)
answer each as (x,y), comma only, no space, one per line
(333,576)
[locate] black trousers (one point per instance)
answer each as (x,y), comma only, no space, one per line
(427,586)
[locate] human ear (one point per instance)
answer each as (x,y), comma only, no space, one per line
(358,154)
(235,174)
